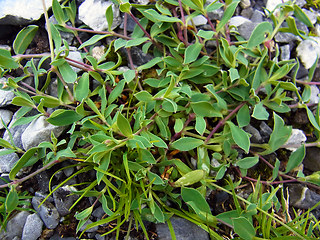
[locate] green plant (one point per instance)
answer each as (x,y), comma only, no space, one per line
(139,129)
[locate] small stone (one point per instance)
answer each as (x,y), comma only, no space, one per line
(57,237)
(238,20)
(39,131)
(308,51)
(130,24)
(98,213)
(7,161)
(6,97)
(6,116)
(64,199)
(255,135)
(265,131)
(283,37)
(302,197)
(314,98)
(246,29)
(312,159)
(245,3)
(15,226)
(76,56)
(32,228)
(43,181)
(296,139)
(139,57)
(257,16)
(216,14)
(92,13)
(247,12)
(285,52)
(183,230)
(198,20)
(47,212)
(272,4)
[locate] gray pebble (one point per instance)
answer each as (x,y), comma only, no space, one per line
(7,161)
(32,228)
(47,212)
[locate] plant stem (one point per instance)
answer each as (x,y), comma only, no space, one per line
(65,85)
(49,30)
(223,121)
(21,180)
(307,83)
(98,32)
(185,33)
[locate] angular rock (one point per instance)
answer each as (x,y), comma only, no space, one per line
(91,230)
(39,131)
(32,228)
(285,52)
(139,57)
(64,199)
(247,12)
(7,161)
(314,98)
(255,135)
(283,37)
(15,226)
(216,14)
(6,98)
(47,212)
(265,131)
(43,182)
(98,212)
(257,16)
(92,13)
(246,29)
(245,3)
(296,139)
(238,20)
(308,51)
(6,116)
(198,20)
(12,12)
(302,197)
(183,229)
(312,159)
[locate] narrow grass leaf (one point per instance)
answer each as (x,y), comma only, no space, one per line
(24,38)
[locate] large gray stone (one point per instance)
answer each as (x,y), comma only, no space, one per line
(17,12)
(92,13)
(47,212)
(246,29)
(15,226)
(302,197)
(6,97)
(32,228)
(39,131)
(312,159)
(7,161)
(183,229)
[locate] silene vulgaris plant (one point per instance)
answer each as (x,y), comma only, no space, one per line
(162,136)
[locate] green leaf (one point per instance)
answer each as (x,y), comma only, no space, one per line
(116,92)
(5,144)
(84,214)
(149,64)
(233,73)
(192,52)
(259,112)
(154,16)
(178,125)
(58,12)
(6,61)
(158,214)
(248,162)
(143,96)
(243,228)
(22,101)
(136,42)
(93,40)
(187,143)
(279,136)
(200,125)
(125,7)
(312,118)
(275,170)
(228,13)
(48,101)
(82,87)
(243,116)
(22,161)
(190,178)
(298,13)
(119,43)
(109,16)
(68,75)
(124,125)
(258,34)
(240,137)
(192,195)
(12,200)
(24,38)
(296,158)
(205,109)
(146,156)
(205,34)
(63,117)
(129,75)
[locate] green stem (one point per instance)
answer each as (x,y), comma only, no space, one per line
(49,30)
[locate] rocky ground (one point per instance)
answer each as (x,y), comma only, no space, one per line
(51,220)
